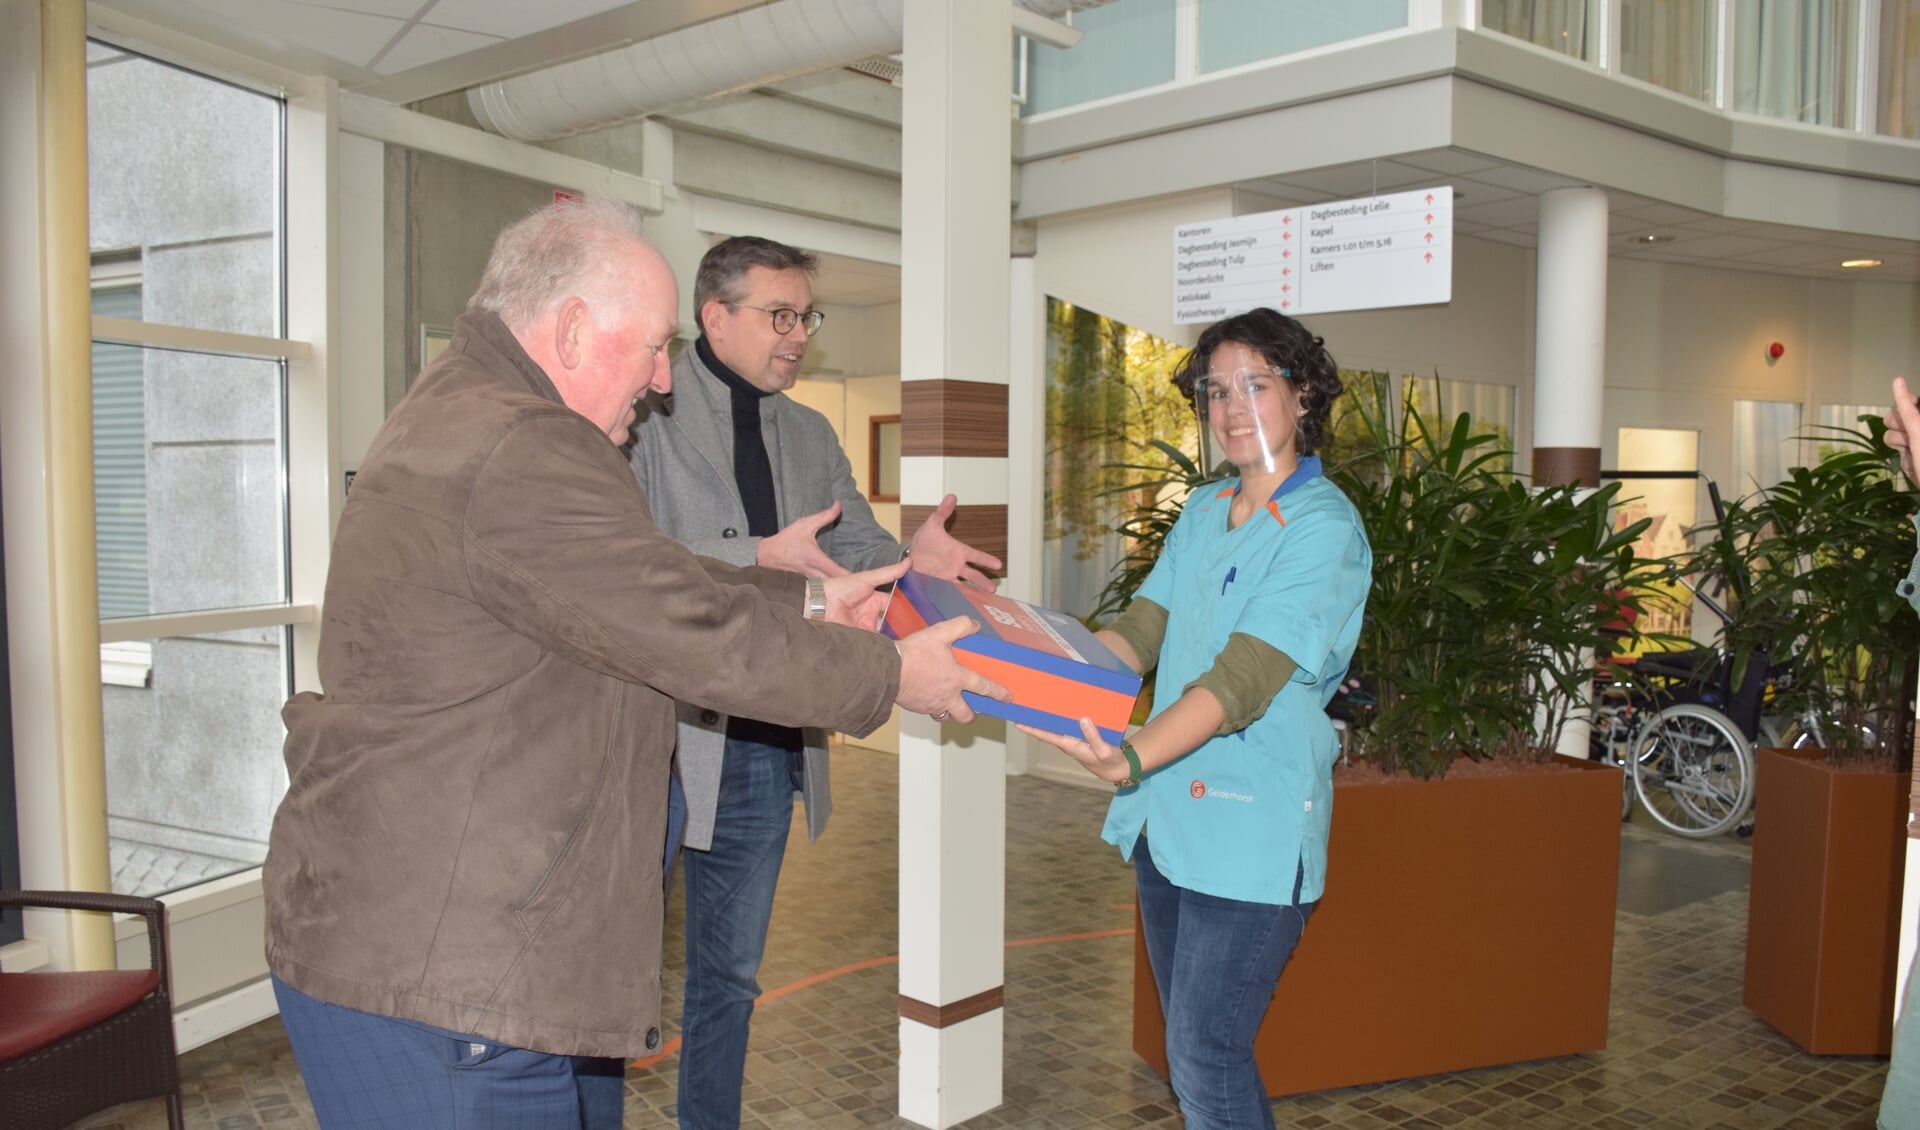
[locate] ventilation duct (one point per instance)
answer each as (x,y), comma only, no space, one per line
(737,52)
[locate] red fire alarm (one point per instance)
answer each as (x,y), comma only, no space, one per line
(1776,351)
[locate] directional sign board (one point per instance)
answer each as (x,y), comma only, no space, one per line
(1365,254)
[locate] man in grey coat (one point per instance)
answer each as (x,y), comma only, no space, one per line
(740,472)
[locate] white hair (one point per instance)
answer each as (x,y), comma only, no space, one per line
(556,252)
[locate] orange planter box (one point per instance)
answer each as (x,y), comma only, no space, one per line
(1057,671)
(1823,910)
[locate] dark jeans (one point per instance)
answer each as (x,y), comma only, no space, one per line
(1216,962)
(370,1072)
(729,903)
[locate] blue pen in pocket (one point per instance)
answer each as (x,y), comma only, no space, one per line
(1231,570)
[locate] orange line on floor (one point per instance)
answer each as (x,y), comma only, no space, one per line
(808,982)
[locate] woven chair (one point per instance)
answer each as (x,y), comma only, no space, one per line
(75,1043)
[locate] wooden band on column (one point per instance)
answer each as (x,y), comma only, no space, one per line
(1556,466)
(953,418)
(947,1015)
(983,527)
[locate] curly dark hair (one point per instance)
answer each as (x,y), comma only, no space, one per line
(1288,346)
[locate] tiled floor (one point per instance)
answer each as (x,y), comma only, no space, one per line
(1681,1051)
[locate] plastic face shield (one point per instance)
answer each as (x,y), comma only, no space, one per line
(1243,415)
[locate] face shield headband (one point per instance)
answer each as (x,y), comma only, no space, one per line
(1244,418)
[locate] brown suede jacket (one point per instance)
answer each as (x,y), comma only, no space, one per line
(473,830)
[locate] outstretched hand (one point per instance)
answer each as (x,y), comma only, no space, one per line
(938,553)
(1091,750)
(797,548)
(931,679)
(854,599)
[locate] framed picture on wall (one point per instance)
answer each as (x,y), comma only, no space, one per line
(883,458)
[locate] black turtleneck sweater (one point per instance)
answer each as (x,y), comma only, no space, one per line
(753,476)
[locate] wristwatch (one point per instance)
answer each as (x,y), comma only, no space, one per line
(816,599)
(1134,772)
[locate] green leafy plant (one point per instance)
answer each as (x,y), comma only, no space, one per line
(1490,599)
(1814,560)
(1166,487)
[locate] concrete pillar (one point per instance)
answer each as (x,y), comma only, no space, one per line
(956,149)
(1570,337)
(1570,355)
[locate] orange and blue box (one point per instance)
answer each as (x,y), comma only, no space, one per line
(1058,672)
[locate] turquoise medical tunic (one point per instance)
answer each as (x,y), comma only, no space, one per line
(1238,815)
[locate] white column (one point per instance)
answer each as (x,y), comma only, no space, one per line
(956,202)
(1570,334)
(1026,454)
(1570,354)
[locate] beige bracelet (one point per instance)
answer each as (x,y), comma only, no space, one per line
(816,599)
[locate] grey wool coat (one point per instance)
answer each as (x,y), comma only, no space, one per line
(683,457)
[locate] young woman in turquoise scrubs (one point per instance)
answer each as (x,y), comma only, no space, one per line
(1250,616)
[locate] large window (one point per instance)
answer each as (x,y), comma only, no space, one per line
(1767,444)
(1900,68)
(1130,45)
(1233,32)
(1795,59)
(1126,45)
(190,408)
(1671,44)
(1566,26)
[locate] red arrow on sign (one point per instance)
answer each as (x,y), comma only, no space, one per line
(1286,288)
(1429,217)
(1285,305)
(1429,256)
(1429,237)
(1287,219)
(1429,197)
(1286,235)
(1285,271)
(1286,254)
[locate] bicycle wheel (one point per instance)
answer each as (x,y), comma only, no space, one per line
(1610,739)
(1693,771)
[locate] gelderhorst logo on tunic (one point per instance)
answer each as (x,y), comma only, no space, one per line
(1199,791)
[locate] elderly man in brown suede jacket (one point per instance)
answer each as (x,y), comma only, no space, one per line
(463,884)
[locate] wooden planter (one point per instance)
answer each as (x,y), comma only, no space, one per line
(1823,913)
(1467,922)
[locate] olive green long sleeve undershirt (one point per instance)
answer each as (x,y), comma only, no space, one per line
(1244,677)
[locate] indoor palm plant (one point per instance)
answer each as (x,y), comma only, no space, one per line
(1814,561)
(1490,599)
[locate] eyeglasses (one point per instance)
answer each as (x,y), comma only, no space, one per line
(786,317)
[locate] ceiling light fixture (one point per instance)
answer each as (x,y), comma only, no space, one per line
(1653,239)
(1859,262)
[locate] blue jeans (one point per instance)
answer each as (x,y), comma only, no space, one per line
(369,1072)
(729,903)
(1216,962)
